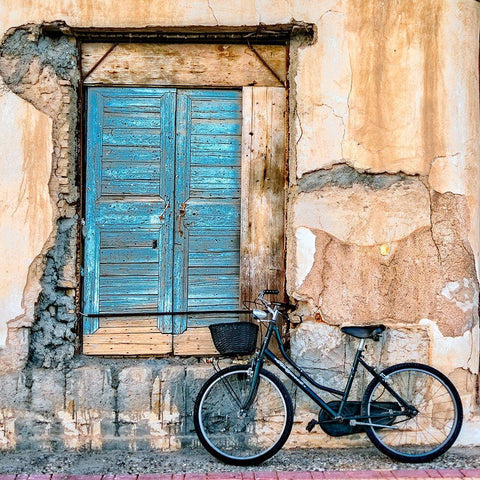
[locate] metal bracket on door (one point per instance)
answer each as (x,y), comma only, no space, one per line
(183,210)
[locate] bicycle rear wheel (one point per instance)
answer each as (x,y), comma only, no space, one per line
(426,431)
(237,436)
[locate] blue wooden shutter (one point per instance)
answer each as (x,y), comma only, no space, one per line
(207,204)
(162,204)
(129,190)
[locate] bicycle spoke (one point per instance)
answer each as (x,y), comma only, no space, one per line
(430,428)
(238,435)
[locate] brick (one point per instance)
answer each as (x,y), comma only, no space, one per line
(195,476)
(125,477)
(294,476)
(387,474)
(450,473)
(471,473)
(39,476)
(266,475)
(226,476)
(317,475)
(433,473)
(364,474)
(7,477)
(410,473)
(59,476)
(84,477)
(248,476)
(153,476)
(333,474)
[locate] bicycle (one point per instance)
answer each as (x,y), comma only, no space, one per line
(243,414)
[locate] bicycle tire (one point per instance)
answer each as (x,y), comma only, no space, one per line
(418,437)
(237,437)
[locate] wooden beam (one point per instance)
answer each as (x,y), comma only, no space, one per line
(220,65)
(110,341)
(194,341)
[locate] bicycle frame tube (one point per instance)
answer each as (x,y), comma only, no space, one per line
(297,374)
(381,379)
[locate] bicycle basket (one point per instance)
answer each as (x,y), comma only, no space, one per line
(237,338)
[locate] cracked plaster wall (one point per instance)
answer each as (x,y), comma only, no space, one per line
(43,71)
(386,184)
(384,122)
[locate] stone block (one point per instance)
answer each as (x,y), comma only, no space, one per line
(405,344)
(7,429)
(167,420)
(195,377)
(318,345)
(48,391)
(90,388)
(168,393)
(37,432)
(134,391)
(13,392)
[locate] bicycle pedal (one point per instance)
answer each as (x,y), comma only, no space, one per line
(311,424)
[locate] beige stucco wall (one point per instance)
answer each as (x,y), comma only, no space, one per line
(387,88)
(25,206)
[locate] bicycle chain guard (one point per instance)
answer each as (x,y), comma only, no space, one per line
(352,409)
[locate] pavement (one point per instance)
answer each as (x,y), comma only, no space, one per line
(460,462)
(400,474)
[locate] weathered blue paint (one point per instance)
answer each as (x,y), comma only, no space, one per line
(162,202)
(206,259)
(129,178)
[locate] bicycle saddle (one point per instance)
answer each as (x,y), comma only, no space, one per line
(369,331)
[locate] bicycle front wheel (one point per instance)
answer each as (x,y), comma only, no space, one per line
(425,430)
(243,436)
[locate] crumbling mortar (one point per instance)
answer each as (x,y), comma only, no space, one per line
(53,335)
(345,176)
(115,382)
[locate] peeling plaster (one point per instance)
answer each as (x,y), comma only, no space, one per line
(447,174)
(42,69)
(305,253)
(461,295)
(357,214)
(449,353)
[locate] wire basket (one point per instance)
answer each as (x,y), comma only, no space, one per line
(237,338)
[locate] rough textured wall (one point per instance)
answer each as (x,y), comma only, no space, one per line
(43,70)
(24,202)
(384,207)
(383,220)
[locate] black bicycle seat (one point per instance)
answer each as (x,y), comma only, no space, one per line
(368,331)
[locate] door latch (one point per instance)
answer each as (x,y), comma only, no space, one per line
(181,214)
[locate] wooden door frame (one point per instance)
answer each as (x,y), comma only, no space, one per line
(256,144)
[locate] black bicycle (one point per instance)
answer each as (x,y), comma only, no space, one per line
(243,414)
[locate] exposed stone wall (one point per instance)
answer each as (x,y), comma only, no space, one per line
(134,405)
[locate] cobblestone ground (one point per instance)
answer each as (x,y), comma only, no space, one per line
(301,464)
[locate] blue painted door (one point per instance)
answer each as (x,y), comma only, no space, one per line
(162,209)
